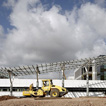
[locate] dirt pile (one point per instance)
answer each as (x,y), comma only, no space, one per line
(6,97)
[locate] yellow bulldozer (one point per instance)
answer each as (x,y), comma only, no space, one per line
(47,89)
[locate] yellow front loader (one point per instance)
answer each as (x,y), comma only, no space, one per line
(47,89)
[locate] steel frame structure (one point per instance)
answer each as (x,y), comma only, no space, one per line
(8,72)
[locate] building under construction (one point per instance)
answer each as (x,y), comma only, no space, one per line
(89,77)
(95,72)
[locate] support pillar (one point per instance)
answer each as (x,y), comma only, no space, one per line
(63,68)
(87,82)
(11,83)
(94,72)
(37,76)
(62,78)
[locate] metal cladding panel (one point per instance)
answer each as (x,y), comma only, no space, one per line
(82,83)
(67,83)
(75,83)
(18,94)
(4,82)
(57,82)
(25,82)
(19,82)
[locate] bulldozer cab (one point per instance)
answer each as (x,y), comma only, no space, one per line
(31,87)
(47,84)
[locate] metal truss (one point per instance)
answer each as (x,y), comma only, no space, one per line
(8,72)
(51,67)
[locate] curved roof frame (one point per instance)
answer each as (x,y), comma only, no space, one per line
(51,67)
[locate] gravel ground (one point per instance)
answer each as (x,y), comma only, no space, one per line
(54,102)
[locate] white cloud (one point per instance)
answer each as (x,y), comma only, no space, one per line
(92,25)
(1,38)
(1,31)
(2,41)
(42,35)
(100,2)
(9,3)
(98,48)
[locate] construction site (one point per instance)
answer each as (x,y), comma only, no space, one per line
(87,88)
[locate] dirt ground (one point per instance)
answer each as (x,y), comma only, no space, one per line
(6,97)
(12,101)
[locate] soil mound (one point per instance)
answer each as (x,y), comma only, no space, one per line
(6,97)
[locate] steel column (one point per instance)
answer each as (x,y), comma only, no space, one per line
(37,76)
(87,82)
(11,83)
(63,68)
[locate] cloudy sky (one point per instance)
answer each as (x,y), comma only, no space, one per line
(42,31)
